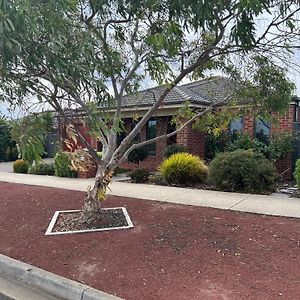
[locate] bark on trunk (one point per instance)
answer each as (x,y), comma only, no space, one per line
(95,196)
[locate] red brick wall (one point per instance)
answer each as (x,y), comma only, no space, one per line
(249,125)
(284,124)
(193,140)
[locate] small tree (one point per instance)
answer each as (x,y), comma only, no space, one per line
(71,54)
(8,150)
(138,155)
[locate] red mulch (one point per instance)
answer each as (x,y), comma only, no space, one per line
(174,251)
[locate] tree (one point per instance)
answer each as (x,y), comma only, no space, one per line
(8,150)
(71,53)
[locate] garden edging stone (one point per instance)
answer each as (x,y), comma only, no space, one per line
(47,282)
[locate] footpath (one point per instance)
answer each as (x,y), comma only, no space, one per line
(275,204)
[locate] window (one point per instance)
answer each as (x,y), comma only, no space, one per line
(262,130)
(236,126)
(151,133)
(120,137)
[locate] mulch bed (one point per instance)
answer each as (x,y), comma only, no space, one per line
(71,221)
(173,252)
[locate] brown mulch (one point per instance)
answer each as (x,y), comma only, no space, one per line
(72,221)
(173,252)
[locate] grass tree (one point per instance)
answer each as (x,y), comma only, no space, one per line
(85,55)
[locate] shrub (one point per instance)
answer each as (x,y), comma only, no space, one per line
(139,175)
(183,168)
(281,144)
(8,149)
(244,141)
(297,172)
(119,170)
(62,165)
(42,169)
(242,170)
(157,179)
(215,144)
(20,166)
(138,155)
(172,149)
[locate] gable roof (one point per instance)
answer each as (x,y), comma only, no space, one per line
(203,92)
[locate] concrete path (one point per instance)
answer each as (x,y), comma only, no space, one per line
(277,205)
(10,290)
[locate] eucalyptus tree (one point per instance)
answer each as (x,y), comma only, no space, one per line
(85,55)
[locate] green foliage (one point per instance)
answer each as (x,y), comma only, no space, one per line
(8,150)
(138,155)
(183,168)
(267,89)
(29,134)
(281,145)
(42,169)
(157,179)
(20,166)
(242,171)
(119,170)
(297,173)
(215,144)
(139,175)
(172,149)
(62,165)
(244,141)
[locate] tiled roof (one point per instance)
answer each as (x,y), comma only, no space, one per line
(202,92)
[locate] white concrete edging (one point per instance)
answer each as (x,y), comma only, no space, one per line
(50,283)
(56,214)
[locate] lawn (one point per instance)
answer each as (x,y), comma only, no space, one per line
(173,252)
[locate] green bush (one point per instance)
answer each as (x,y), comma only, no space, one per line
(243,171)
(172,149)
(183,168)
(8,149)
(42,169)
(20,166)
(119,170)
(139,175)
(157,179)
(215,144)
(62,165)
(244,141)
(138,155)
(281,144)
(297,172)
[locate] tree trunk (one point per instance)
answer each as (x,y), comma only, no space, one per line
(95,196)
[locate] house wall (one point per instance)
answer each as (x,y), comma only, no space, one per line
(194,140)
(285,124)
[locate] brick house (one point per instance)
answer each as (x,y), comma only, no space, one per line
(199,94)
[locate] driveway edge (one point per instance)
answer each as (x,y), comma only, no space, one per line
(50,283)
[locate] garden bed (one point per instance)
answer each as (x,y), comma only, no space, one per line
(69,221)
(173,251)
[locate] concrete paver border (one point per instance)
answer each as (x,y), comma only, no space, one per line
(50,283)
(56,214)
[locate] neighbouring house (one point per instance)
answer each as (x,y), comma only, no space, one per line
(199,95)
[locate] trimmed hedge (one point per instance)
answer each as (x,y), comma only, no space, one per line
(20,166)
(139,175)
(242,171)
(42,169)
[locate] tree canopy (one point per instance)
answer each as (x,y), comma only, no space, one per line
(87,54)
